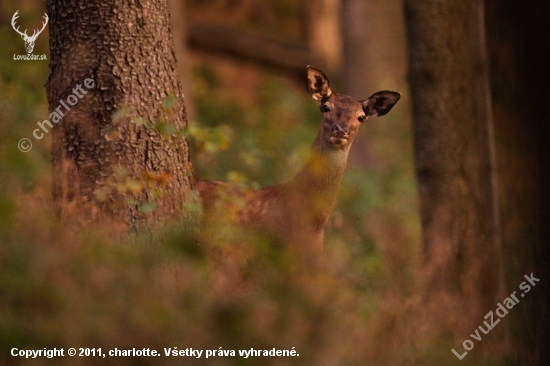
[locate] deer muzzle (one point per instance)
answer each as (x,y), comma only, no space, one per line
(339,133)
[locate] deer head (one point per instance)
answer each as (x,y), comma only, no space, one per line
(29,41)
(342,114)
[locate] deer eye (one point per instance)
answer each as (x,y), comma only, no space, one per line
(361,118)
(326,108)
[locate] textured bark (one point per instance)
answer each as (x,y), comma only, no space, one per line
(454,158)
(115,157)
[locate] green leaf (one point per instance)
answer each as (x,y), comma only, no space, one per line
(147,207)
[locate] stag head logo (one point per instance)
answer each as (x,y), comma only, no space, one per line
(29,40)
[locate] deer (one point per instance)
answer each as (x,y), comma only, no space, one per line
(297,211)
(29,40)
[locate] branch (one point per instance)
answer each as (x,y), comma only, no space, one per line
(286,56)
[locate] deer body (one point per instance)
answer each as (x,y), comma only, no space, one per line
(296,212)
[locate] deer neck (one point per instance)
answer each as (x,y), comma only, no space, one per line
(316,186)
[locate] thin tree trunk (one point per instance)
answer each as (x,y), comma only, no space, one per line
(119,155)
(455,161)
(374,57)
(374,49)
(324,36)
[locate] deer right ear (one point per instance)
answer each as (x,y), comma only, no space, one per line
(317,84)
(380,103)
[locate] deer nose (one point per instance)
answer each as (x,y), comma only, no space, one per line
(340,129)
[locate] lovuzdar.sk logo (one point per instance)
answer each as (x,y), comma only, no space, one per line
(29,40)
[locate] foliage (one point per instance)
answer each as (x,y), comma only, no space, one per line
(81,288)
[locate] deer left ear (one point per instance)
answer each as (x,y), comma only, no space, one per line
(380,103)
(317,84)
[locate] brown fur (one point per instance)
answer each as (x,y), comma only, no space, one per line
(296,212)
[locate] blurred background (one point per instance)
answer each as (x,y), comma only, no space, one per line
(251,122)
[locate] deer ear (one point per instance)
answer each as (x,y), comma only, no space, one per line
(380,103)
(317,84)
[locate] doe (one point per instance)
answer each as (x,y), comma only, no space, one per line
(296,212)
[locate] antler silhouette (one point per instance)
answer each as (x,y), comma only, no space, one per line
(29,41)
(34,35)
(13,19)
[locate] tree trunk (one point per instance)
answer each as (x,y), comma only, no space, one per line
(119,154)
(520,69)
(324,36)
(374,58)
(455,161)
(374,49)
